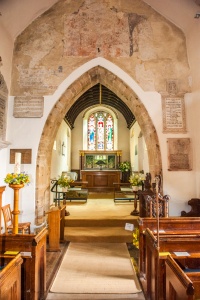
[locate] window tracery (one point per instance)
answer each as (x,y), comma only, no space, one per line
(100,131)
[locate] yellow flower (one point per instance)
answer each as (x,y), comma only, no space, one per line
(136,179)
(17,178)
(64,181)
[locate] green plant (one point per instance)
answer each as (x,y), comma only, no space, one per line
(125,166)
(136,179)
(64,181)
(17,178)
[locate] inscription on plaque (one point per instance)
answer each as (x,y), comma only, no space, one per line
(179,154)
(28,107)
(173,114)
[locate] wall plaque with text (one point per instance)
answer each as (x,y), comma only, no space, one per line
(173,114)
(28,107)
(179,154)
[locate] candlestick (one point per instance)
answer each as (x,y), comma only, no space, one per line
(17,162)
(157,181)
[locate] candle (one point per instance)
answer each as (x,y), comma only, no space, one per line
(17,162)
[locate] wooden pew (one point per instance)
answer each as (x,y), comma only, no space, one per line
(170,225)
(33,246)
(10,277)
(56,226)
(180,284)
(155,284)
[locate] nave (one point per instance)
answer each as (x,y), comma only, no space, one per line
(93,224)
(167,264)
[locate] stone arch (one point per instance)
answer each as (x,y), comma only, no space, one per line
(3,110)
(91,77)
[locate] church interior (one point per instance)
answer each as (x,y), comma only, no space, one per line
(99,149)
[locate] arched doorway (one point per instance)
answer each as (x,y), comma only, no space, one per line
(93,76)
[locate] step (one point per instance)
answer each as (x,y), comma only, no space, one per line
(98,234)
(114,222)
(58,296)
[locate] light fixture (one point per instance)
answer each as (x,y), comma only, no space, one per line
(63,150)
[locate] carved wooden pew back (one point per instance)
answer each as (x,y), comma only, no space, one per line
(155,256)
(171,225)
(181,285)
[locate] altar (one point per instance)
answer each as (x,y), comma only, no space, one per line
(102,180)
(100,169)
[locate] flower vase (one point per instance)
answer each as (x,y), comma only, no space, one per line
(135,188)
(65,189)
(15,212)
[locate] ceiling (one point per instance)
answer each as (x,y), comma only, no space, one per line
(99,95)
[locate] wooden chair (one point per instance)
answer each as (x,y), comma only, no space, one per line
(8,221)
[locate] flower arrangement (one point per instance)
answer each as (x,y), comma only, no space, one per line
(17,178)
(136,179)
(64,181)
(125,166)
(136,238)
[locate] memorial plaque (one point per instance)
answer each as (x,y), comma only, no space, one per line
(179,154)
(28,107)
(172,87)
(173,114)
(26,155)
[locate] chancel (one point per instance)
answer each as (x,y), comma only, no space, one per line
(97,93)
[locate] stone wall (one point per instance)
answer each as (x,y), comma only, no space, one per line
(128,33)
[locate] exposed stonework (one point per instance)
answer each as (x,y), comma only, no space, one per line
(90,78)
(128,33)
(3,107)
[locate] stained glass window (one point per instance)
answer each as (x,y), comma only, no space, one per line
(91,133)
(100,131)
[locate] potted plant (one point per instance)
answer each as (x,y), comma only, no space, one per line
(64,182)
(136,180)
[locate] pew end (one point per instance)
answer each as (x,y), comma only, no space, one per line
(182,282)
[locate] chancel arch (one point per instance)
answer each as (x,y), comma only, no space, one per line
(90,78)
(3,111)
